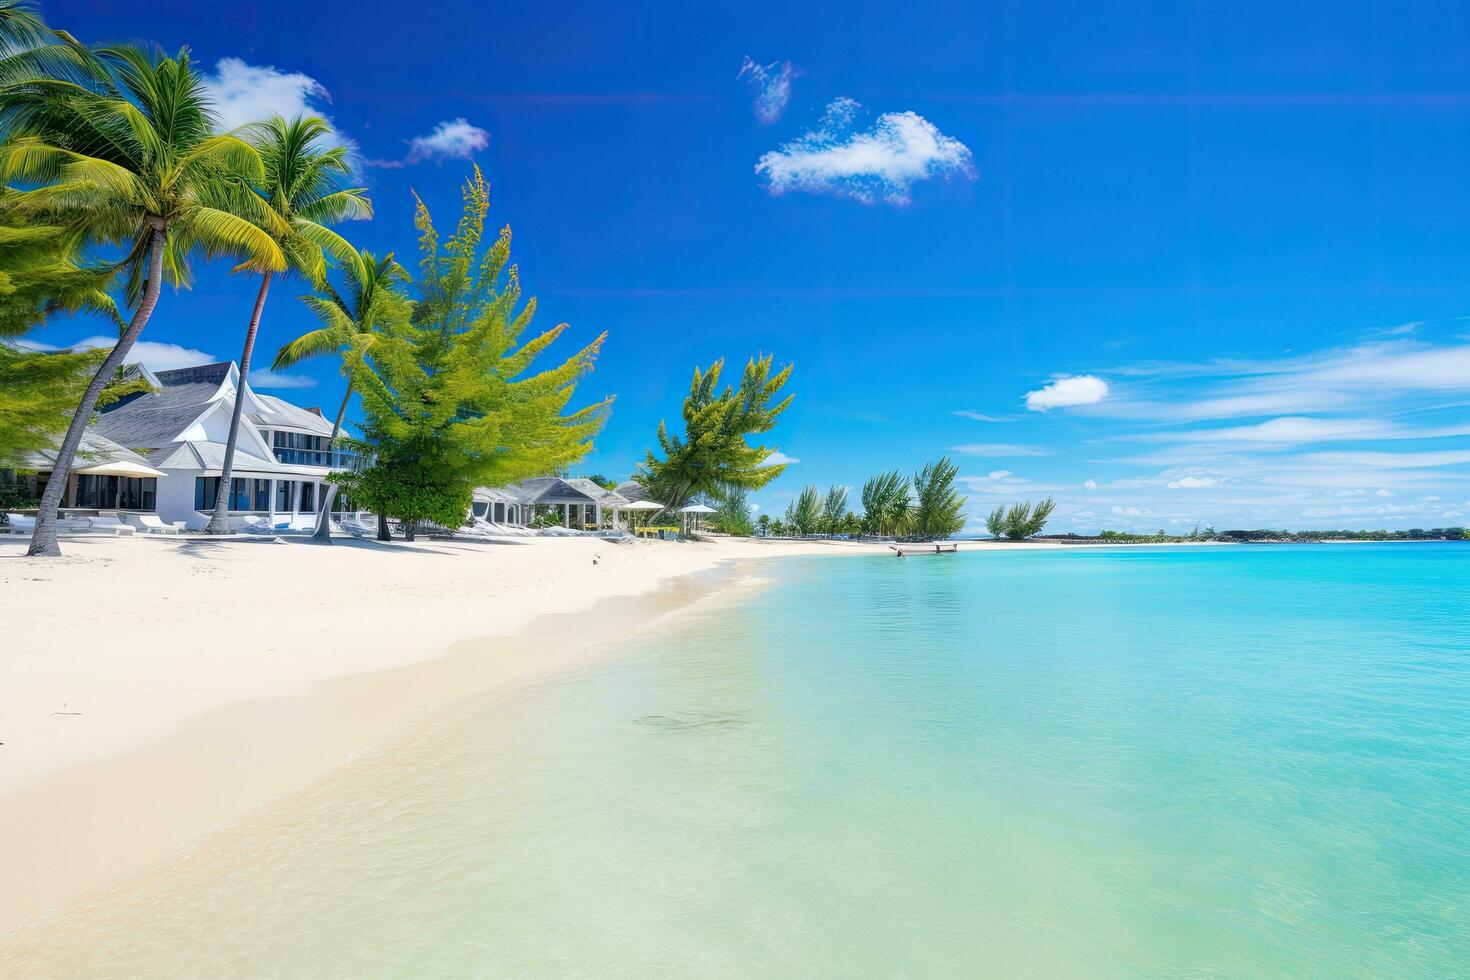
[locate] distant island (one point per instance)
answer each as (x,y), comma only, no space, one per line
(1262,536)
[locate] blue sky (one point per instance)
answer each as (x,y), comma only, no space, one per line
(1166,262)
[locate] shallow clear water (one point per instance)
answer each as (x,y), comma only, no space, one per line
(1147,762)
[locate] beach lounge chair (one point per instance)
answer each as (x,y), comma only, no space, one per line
(112,525)
(360,525)
(20,524)
(150,524)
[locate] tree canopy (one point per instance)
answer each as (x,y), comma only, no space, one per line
(938,510)
(715,454)
(447,399)
(804,514)
(1019,521)
(886,503)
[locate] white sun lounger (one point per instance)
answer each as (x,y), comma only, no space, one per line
(20,524)
(150,524)
(111,524)
(359,525)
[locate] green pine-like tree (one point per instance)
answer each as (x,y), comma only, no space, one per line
(1022,520)
(938,511)
(446,394)
(804,514)
(715,454)
(732,515)
(886,503)
(834,510)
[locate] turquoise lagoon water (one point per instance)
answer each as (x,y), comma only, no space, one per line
(1150,762)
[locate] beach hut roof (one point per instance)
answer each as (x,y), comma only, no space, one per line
(96,450)
(548,490)
(632,490)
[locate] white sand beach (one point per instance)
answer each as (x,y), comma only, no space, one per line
(156,687)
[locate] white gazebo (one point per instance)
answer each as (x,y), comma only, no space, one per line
(696,510)
(643,505)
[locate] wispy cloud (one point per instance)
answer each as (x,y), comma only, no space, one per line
(1068,392)
(880,163)
(771,84)
(1333,380)
(160,356)
(969,413)
(999,449)
(779,458)
(452,139)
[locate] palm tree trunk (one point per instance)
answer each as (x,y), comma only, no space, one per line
(323,532)
(383,534)
(219,521)
(43,541)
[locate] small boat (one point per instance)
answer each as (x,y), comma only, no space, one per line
(930,548)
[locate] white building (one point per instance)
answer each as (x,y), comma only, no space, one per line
(179,429)
(576,502)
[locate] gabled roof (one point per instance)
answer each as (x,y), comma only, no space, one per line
(281,413)
(604,496)
(632,491)
(494,495)
(152,420)
(548,490)
(211,456)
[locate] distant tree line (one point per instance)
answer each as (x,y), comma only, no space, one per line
(925,506)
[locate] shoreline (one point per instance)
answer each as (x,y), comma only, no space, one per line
(185,726)
(172,768)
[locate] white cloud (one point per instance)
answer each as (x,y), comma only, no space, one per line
(1089,484)
(451,139)
(880,163)
(156,356)
(998,449)
(1193,483)
(244,93)
(779,458)
(1068,392)
(772,86)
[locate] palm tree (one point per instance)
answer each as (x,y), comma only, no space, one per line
(348,322)
(31,51)
(303,186)
(144,169)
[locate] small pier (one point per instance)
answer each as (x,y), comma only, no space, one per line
(932,548)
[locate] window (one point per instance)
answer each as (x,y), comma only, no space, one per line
(262,495)
(308,505)
(284,489)
(205,488)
